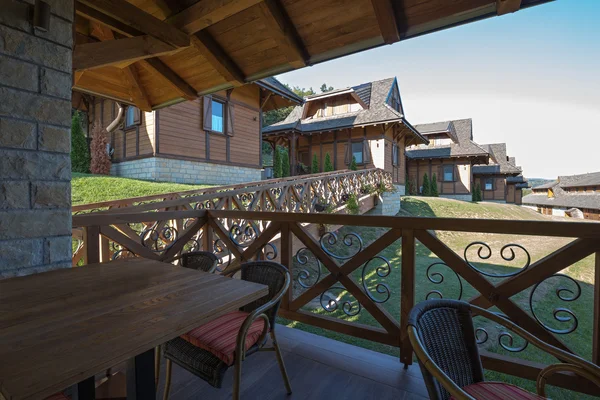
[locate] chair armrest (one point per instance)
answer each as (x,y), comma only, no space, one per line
(554,368)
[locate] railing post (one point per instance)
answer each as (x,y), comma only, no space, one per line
(207,236)
(286,259)
(596,326)
(104,249)
(407,293)
(92,239)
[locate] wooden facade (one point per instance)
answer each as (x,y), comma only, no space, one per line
(459,183)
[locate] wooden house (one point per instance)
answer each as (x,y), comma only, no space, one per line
(214,139)
(366,122)
(501,179)
(450,154)
(574,195)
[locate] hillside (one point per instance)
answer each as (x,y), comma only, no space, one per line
(87,188)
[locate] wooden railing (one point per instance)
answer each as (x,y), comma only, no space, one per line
(363,278)
(296,194)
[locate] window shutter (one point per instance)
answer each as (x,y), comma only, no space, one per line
(394,154)
(440,173)
(230,118)
(207,120)
(347,154)
(456,174)
(137,117)
(366,152)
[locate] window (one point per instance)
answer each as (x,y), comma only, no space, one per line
(395,155)
(217,116)
(448,173)
(132,116)
(488,184)
(357,152)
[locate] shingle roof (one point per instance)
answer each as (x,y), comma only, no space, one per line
(274,84)
(373,94)
(591,179)
(500,163)
(460,130)
(547,185)
(564,199)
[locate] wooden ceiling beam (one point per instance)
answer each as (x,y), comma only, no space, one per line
(218,58)
(137,91)
(282,29)
(386,19)
(94,15)
(128,14)
(175,81)
(109,52)
(507,6)
(208,12)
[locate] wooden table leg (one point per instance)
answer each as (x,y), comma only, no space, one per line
(140,377)
(86,390)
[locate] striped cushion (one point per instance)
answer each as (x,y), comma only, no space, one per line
(57,396)
(499,391)
(219,336)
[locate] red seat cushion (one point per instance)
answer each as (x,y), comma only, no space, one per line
(220,336)
(499,391)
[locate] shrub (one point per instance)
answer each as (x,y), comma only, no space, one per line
(277,171)
(368,189)
(315,165)
(352,204)
(353,165)
(410,186)
(100,159)
(476,194)
(434,187)
(426,186)
(328,165)
(285,164)
(80,154)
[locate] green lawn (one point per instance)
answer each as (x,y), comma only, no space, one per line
(545,299)
(87,188)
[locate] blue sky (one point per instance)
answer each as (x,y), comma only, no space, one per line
(530,79)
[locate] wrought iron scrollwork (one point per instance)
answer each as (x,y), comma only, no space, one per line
(437,278)
(159,239)
(331,304)
(222,252)
(560,314)
(507,253)
(381,271)
(243,234)
(331,239)
(304,278)
(506,339)
(269,251)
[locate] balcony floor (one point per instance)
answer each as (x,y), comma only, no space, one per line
(318,367)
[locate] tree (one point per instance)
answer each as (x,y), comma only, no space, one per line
(277,166)
(274,116)
(353,165)
(328,165)
(434,187)
(426,186)
(325,88)
(80,155)
(285,164)
(315,165)
(100,163)
(476,195)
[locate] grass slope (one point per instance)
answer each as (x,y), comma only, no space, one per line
(87,188)
(545,299)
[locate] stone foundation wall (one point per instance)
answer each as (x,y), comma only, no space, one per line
(35,139)
(461,197)
(389,202)
(184,171)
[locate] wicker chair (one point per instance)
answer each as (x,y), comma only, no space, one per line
(198,260)
(208,366)
(443,338)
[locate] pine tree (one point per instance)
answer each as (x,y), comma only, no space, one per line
(476,195)
(315,165)
(100,163)
(426,186)
(80,155)
(285,164)
(434,187)
(328,164)
(353,166)
(277,170)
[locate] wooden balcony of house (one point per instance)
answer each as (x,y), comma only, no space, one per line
(357,277)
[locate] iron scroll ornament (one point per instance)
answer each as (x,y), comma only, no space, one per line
(159,239)
(381,272)
(488,253)
(304,276)
(331,239)
(481,337)
(560,314)
(437,278)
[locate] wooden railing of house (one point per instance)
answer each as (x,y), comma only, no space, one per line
(337,275)
(297,194)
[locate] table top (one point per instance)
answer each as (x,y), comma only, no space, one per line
(58,328)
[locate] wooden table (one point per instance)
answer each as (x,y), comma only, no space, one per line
(62,327)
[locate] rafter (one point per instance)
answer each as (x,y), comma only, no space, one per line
(282,29)
(100,54)
(386,19)
(507,6)
(138,93)
(208,12)
(175,81)
(128,14)
(218,58)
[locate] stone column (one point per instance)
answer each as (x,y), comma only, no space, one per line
(35,119)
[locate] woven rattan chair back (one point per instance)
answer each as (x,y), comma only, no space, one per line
(445,327)
(267,273)
(198,260)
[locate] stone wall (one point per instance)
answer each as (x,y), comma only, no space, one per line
(184,171)
(461,197)
(389,202)
(35,120)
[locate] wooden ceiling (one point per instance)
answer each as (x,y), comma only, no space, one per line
(153,53)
